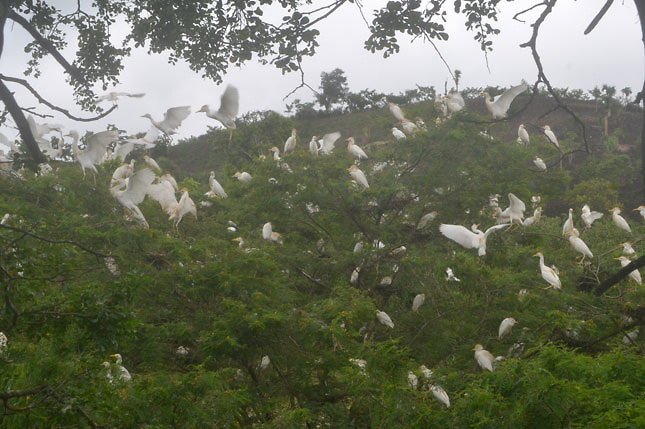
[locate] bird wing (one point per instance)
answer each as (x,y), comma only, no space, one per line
(516,204)
(97,145)
(151,136)
(218,189)
(495,228)
(173,117)
(138,185)
(396,111)
(164,194)
(460,235)
(123,150)
(594,216)
(127,94)
(230,102)
(504,100)
(329,140)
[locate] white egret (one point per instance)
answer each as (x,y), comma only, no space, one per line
(630,338)
(172,119)
(505,327)
(354,277)
(264,363)
(418,302)
(641,210)
(422,125)
(548,273)
(108,373)
(95,148)
(579,245)
(484,358)
(409,127)
(396,111)
(515,210)
(122,373)
(313,146)
(450,276)
(551,136)
(182,351)
(440,394)
(3,342)
(122,173)
(537,214)
(398,134)
(539,163)
(619,220)
(216,190)
(270,235)
(228,109)
(291,142)
(627,248)
(384,318)
(113,96)
(152,164)
(386,281)
(474,239)
(634,275)
(358,247)
(427,373)
(327,143)
(454,102)
(360,363)
(589,216)
(167,177)
(568,224)
(39,131)
(243,177)
(358,176)
(413,381)
(123,149)
(441,105)
(163,193)
(355,150)
(523,135)
(426,219)
(499,106)
(185,206)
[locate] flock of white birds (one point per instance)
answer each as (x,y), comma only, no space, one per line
(130,186)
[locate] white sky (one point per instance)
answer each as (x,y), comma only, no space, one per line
(612,54)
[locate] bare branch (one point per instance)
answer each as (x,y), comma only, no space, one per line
(618,276)
(598,17)
(515,17)
(8,394)
(52,106)
(48,240)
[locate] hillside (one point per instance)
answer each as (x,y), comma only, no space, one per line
(279,335)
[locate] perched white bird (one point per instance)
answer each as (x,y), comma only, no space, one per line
(641,210)
(539,163)
(422,125)
(409,127)
(523,135)
(579,245)
(548,273)
(454,102)
(588,216)
(397,133)
(270,235)
(627,248)
(484,358)
(172,119)
(355,150)
(384,319)
(358,247)
(151,163)
(122,373)
(450,276)
(290,144)
(619,220)
(537,214)
(474,239)
(182,351)
(505,327)
(95,148)
(499,106)
(354,277)
(358,176)
(515,210)
(396,111)
(228,108)
(327,143)
(413,381)
(634,275)
(3,342)
(113,96)
(264,363)
(418,302)
(426,219)
(243,177)
(216,190)
(568,224)
(440,394)
(550,136)
(427,373)
(185,206)
(440,104)
(313,146)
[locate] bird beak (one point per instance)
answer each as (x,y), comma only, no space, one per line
(618,259)
(112,355)
(535,254)
(636,209)
(473,348)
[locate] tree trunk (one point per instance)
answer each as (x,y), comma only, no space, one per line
(640,6)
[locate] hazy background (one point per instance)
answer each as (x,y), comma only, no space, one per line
(611,54)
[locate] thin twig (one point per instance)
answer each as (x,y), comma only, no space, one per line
(51,241)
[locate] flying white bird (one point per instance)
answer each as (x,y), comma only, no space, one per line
(163,193)
(123,149)
(627,248)
(122,173)
(568,224)
(290,144)
(515,211)
(523,135)
(539,163)
(413,381)
(588,216)
(418,302)
(243,177)
(499,106)
(172,119)
(185,206)
(151,163)
(450,276)
(548,273)
(228,109)
(579,245)
(355,150)
(326,144)
(505,327)
(634,275)
(550,136)
(122,373)
(39,131)
(426,219)
(619,220)
(474,239)
(396,111)
(384,319)
(641,210)
(114,96)
(95,148)
(216,190)
(397,133)
(358,176)
(484,358)
(440,394)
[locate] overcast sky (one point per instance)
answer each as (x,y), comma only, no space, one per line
(612,54)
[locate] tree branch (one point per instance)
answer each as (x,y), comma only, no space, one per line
(621,274)
(21,122)
(52,106)
(48,240)
(598,17)
(8,394)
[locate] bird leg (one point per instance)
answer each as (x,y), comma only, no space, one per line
(581,260)
(230,136)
